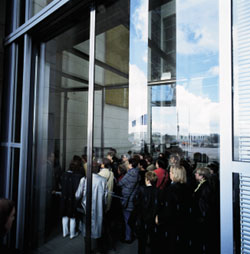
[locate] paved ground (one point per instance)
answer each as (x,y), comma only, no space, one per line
(60,245)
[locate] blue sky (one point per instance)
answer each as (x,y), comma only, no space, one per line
(196,63)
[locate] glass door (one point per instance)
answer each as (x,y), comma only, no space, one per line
(60,130)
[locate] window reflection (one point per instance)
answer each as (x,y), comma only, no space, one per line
(111,78)
(152,94)
(183,48)
(184,53)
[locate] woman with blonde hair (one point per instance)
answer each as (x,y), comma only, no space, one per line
(178,174)
(173,214)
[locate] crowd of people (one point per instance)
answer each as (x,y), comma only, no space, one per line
(168,204)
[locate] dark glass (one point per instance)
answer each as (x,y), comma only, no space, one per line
(3,170)
(13,76)
(5,112)
(16,11)
(61,122)
(14,183)
(17,96)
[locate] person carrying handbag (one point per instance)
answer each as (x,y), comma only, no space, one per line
(129,186)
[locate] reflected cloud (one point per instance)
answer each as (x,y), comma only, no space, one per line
(197,114)
(137,92)
(145,57)
(164,120)
(213,71)
(140,19)
(197,37)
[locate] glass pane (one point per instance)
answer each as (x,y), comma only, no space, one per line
(12,105)
(14,183)
(156,83)
(38,5)
(3,170)
(5,112)
(17,96)
(16,10)
(9,181)
(61,127)
(111,79)
(183,74)
(241,78)
(157,88)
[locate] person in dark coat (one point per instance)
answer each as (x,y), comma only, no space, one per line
(129,185)
(111,155)
(173,213)
(205,214)
(145,212)
(70,181)
(142,171)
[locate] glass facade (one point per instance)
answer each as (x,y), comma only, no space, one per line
(156,90)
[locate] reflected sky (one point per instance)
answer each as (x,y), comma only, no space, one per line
(138,64)
(197,46)
(197,73)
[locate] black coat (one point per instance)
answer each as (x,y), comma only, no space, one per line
(146,203)
(70,182)
(174,209)
(203,203)
(174,219)
(205,214)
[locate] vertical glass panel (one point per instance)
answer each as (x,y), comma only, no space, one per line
(38,5)
(241,80)
(6,93)
(16,10)
(183,76)
(17,95)
(9,180)
(3,170)
(14,183)
(171,101)
(111,79)
(61,127)
(12,93)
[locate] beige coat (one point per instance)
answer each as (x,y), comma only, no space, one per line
(108,174)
